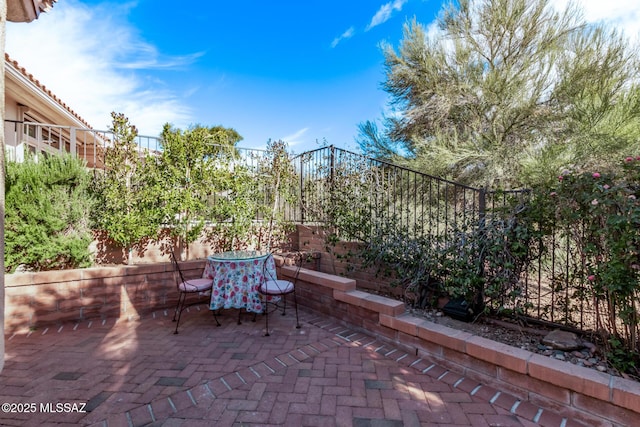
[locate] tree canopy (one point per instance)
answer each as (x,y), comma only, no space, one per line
(191,176)
(507,93)
(191,180)
(129,211)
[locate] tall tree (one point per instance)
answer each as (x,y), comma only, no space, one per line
(129,211)
(507,92)
(191,178)
(278,181)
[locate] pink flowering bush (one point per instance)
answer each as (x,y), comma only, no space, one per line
(598,213)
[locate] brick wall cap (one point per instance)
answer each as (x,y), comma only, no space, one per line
(573,377)
(318,278)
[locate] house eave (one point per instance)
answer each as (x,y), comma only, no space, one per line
(31,96)
(27,10)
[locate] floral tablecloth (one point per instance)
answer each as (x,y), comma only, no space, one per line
(236,278)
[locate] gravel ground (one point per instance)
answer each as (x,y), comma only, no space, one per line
(527,337)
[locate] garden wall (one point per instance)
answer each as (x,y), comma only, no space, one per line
(50,297)
(106,252)
(342,259)
(38,299)
(35,300)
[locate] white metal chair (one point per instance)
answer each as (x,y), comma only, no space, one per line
(185,287)
(272,287)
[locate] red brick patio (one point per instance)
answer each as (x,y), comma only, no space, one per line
(137,373)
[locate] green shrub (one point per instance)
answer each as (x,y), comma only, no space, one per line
(598,212)
(47,214)
(127,190)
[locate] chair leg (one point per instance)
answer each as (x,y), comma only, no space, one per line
(175,312)
(182,304)
(295,303)
(266,315)
(183,297)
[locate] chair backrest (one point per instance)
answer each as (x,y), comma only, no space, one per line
(176,268)
(268,274)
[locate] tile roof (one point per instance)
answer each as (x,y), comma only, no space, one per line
(43,88)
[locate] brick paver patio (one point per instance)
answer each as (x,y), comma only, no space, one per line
(138,373)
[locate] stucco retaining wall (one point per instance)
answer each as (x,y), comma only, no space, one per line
(37,299)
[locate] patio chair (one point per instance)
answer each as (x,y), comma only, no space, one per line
(273,287)
(185,287)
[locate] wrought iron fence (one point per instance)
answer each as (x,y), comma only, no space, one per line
(356,195)
(555,287)
(340,187)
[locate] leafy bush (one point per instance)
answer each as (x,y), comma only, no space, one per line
(484,263)
(413,262)
(47,214)
(194,168)
(277,181)
(247,210)
(599,213)
(125,190)
(480,262)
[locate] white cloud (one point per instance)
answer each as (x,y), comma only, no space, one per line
(95,62)
(619,14)
(346,35)
(384,13)
(623,15)
(295,138)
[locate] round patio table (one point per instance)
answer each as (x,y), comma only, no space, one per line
(237,275)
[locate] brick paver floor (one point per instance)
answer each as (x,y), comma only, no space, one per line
(138,373)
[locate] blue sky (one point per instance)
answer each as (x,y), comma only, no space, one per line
(302,71)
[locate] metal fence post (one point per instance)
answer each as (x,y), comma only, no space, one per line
(332,187)
(482,206)
(302,189)
(332,168)
(72,142)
